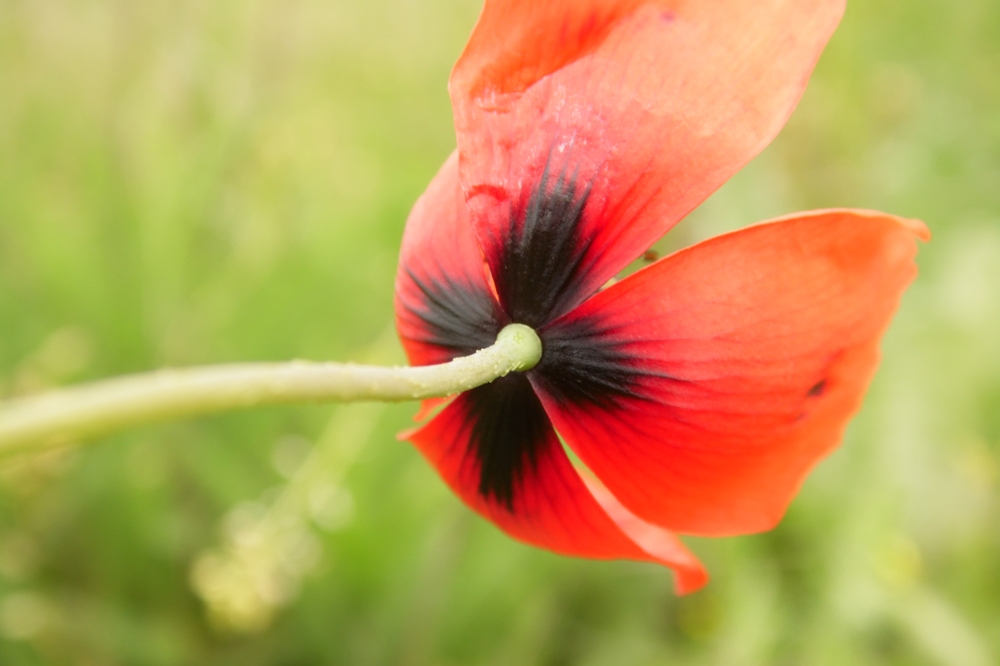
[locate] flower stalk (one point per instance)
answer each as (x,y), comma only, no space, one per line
(107,406)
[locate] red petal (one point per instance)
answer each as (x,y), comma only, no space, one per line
(652,105)
(441,283)
(690,575)
(551,507)
(445,306)
(753,350)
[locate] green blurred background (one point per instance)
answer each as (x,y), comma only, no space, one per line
(187,182)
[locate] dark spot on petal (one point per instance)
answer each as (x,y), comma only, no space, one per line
(817,389)
(540,271)
(650,255)
(458,317)
(668,17)
(585,364)
(509,429)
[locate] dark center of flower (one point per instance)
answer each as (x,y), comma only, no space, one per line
(539,271)
(582,362)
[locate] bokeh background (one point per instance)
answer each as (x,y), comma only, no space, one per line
(187,182)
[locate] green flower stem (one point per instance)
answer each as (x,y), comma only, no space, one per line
(103,407)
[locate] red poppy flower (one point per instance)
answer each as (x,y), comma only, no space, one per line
(699,391)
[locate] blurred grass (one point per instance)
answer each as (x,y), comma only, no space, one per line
(185,182)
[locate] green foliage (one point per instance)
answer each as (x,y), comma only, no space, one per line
(185,182)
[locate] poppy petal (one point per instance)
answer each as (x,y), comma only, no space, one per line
(495,447)
(445,307)
(665,546)
(588,128)
(734,366)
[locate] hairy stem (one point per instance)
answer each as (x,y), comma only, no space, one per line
(107,406)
